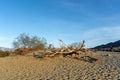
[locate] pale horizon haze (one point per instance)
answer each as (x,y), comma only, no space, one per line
(95,21)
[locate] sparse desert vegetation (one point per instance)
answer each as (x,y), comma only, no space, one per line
(4,53)
(59,39)
(73,62)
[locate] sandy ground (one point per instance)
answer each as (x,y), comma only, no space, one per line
(59,68)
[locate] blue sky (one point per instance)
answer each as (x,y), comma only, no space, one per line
(95,21)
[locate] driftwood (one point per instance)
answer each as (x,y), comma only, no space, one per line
(40,55)
(69,53)
(64,50)
(88,59)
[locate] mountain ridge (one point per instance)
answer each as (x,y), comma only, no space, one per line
(114,46)
(5,49)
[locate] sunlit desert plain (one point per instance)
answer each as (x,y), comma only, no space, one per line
(27,67)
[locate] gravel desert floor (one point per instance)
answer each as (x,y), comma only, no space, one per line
(60,68)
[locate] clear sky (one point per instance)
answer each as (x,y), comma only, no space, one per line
(95,21)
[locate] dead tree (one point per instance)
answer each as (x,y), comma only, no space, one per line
(83,44)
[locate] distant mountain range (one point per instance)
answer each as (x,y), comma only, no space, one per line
(5,49)
(114,46)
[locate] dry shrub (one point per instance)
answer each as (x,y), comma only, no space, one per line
(22,51)
(4,53)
